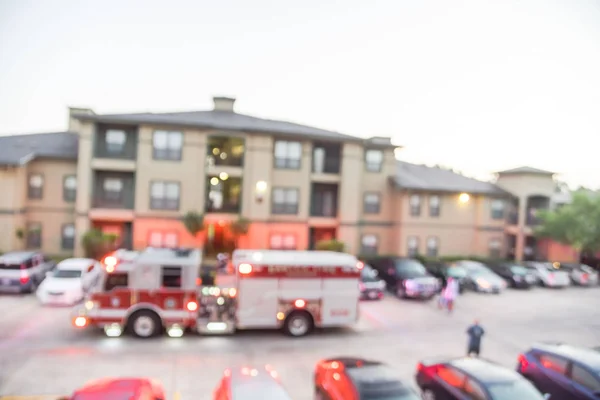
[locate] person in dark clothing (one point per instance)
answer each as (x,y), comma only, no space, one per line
(475,333)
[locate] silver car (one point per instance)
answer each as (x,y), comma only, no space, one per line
(23,271)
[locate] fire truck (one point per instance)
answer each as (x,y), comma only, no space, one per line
(159,290)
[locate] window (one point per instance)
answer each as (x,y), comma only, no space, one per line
(412,246)
(368,244)
(584,378)
(324,200)
(164,195)
(224,150)
(372,203)
(434,206)
(497,209)
(373,160)
(283,241)
(495,248)
(167,145)
(70,188)
(34,235)
(288,154)
(163,239)
(285,201)
(115,280)
(68,237)
(113,189)
(432,246)
(115,141)
(474,391)
(415,205)
(35,188)
(224,194)
(171,277)
(451,376)
(553,363)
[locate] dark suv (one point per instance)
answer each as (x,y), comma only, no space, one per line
(444,271)
(564,371)
(405,277)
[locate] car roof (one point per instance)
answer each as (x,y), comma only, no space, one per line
(117,389)
(75,263)
(484,371)
(583,355)
(16,256)
(249,383)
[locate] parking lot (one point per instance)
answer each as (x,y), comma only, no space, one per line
(40,354)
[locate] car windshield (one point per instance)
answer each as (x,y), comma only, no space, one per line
(410,268)
(66,273)
(368,275)
(473,266)
(456,272)
(520,389)
(518,270)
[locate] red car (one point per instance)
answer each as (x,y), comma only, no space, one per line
(119,389)
(346,378)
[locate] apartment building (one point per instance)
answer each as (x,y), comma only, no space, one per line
(136,175)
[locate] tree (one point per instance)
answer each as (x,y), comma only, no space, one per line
(576,224)
(330,245)
(193,222)
(239,227)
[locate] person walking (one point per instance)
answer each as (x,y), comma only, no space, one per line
(475,333)
(450,293)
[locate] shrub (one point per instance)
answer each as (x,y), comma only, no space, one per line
(330,245)
(96,243)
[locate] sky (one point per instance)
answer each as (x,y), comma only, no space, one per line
(476,85)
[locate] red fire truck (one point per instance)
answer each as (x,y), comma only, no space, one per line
(159,289)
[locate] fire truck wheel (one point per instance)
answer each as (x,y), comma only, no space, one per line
(144,323)
(298,323)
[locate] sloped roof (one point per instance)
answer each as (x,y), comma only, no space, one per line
(435,179)
(525,170)
(20,149)
(226,120)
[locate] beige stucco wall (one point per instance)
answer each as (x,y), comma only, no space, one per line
(12,204)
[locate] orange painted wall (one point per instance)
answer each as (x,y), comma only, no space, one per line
(558,252)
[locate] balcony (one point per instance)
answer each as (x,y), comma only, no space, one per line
(326,158)
(535,204)
(116,143)
(324,200)
(225,151)
(113,190)
(223,195)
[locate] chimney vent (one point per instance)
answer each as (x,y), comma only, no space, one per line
(223,103)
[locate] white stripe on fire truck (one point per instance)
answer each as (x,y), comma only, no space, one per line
(122,313)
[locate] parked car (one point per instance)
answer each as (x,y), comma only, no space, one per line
(405,277)
(371,285)
(248,383)
(580,274)
(69,282)
(119,388)
(516,275)
(346,378)
(480,278)
(23,271)
(443,271)
(564,371)
(534,272)
(550,276)
(473,378)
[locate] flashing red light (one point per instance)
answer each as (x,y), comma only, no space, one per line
(420,367)
(335,365)
(300,303)
(523,361)
(192,306)
(24,278)
(245,269)
(359,364)
(198,281)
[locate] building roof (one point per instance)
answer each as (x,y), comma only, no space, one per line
(435,179)
(20,149)
(227,120)
(525,170)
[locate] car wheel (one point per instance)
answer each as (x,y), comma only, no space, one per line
(145,324)
(400,291)
(33,287)
(428,394)
(298,323)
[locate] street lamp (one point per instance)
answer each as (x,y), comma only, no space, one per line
(260,190)
(464,198)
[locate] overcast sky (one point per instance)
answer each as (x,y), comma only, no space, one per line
(476,85)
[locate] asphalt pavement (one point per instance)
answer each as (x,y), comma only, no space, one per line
(41,354)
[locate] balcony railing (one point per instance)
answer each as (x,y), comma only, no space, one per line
(328,166)
(102,202)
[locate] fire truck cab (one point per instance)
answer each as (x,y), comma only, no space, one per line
(145,293)
(290,290)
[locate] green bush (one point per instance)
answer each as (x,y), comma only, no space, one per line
(96,243)
(330,245)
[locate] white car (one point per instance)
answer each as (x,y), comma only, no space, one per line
(69,282)
(581,274)
(550,276)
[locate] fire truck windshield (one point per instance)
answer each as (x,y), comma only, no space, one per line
(115,279)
